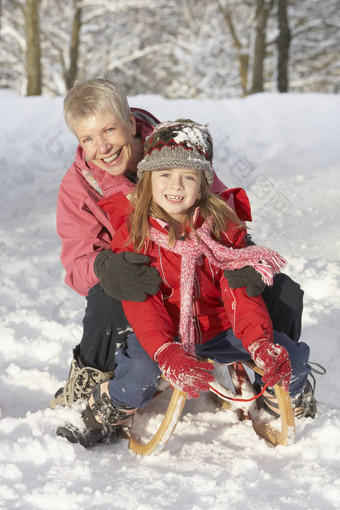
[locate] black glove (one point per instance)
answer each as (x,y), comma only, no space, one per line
(126,276)
(246,277)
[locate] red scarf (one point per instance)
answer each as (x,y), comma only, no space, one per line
(265,261)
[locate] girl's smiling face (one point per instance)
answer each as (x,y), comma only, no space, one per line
(176,190)
(109,142)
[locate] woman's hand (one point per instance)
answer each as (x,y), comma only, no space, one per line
(126,276)
(245,277)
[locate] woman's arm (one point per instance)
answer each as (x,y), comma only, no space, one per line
(84,230)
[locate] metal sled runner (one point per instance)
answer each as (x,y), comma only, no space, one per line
(282,436)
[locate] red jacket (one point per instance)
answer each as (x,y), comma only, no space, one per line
(82,225)
(216,307)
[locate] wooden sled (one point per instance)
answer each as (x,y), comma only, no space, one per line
(283,436)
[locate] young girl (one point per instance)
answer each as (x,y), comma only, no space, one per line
(191,237)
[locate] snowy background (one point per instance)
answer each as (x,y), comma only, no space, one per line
(285,151)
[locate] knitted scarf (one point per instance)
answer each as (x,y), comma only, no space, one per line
(265,261)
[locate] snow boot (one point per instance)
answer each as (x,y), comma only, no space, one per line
(304,404)
(80,383)
(101,420)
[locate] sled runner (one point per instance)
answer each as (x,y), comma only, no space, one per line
(242,387)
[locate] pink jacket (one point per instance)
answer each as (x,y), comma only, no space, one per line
(216,307)
(84,227)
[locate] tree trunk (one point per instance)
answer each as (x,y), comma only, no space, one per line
(283,44)
(33,62)
(71,73)
(260,46)
(242,53)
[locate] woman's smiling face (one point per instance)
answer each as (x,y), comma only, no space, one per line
(108,142)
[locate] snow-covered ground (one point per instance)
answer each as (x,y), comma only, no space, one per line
(285,151)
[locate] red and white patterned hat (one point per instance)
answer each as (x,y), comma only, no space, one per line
(179,144)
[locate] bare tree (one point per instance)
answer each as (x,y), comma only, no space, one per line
(283,44)
(71,72)
(263,9)
(33,54)
(242,51)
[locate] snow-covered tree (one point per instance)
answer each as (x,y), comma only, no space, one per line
(315,56)
(192,48)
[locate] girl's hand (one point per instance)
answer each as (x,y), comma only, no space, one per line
(273,359)
(183,371)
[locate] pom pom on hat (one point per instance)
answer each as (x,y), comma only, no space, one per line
(179,144)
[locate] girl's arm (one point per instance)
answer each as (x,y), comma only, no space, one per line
(251,323)
(249,316)
(151,323)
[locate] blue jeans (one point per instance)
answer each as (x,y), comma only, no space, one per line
(137,375)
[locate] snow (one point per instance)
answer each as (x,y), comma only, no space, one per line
(285,151)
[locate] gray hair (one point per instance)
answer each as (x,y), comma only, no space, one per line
(94,96)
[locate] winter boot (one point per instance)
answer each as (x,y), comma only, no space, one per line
(304,404)
(101,419)
(80,383)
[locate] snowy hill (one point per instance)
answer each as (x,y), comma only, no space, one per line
(285,151)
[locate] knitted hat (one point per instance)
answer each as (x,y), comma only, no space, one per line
(179,144)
